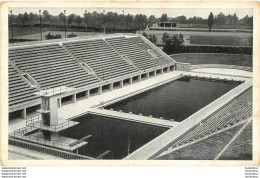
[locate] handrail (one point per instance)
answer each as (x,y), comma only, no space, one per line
(250,69)
(47,150)
(40,125)
(54,143)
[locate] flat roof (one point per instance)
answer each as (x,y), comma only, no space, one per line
(168,22)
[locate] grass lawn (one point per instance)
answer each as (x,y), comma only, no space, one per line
(207,58)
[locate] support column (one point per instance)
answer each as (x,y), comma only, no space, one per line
(121,84)
(59,102)
(131,80)
(154,73)
(74,98)
(24,113)
(111,87)
(87,94)
(161,71)
(147,75)
(168,69)
(100,90)
(139,78)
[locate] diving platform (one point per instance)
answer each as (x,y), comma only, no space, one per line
(36,136)
(134,117)
(38,123)
(102,155)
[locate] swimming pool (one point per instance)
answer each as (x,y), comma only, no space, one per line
(108,134)
(176,100)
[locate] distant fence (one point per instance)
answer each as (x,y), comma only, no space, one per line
(21,40)
(47,150)
(200,29)
(245,68)
(215,49)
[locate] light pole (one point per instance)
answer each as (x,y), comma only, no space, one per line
(40,23)
(123,18)
(12,26)
(65,22)
(86,22)
(104,22)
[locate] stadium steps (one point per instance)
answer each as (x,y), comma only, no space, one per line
(88,69)
(51,66)
(125,47)
(125,58)
(19,90)
(101,57)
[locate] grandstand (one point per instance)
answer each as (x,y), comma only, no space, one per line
(76,64)
(91,69)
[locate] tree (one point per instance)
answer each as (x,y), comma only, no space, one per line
(152,20)
(235,19)
(20,18)
(210,21)
(46,15)
(164,18)
(51,36)
(145,35)
(26,18)
(173,44)
(72,35)
(61,17)
(165,37)
(71,18)
(140,21)
(78,20)
(152,38)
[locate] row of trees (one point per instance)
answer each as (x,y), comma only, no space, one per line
(219,19)
(115,20)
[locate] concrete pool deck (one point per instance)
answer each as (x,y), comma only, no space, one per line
(221,71)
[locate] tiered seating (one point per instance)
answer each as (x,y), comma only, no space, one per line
(19,90)
(238,110)
(208,149)
(102,58)
(142,45)
(126,47)
(51,66)
(161,61)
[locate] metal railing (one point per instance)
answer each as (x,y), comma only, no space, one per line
(47,150)
(36,122)
(20,133)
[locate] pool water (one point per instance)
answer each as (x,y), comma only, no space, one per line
(176,100)
(118,136)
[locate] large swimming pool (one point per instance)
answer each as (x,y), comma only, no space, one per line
(175,100)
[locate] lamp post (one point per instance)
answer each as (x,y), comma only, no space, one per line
(86,23)
(12,25)
(40,23)
(123,18)
(65,22)
(104,22)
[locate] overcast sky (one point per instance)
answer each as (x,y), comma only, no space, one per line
(171,12)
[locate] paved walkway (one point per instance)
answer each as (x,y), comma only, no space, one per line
(224,71)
